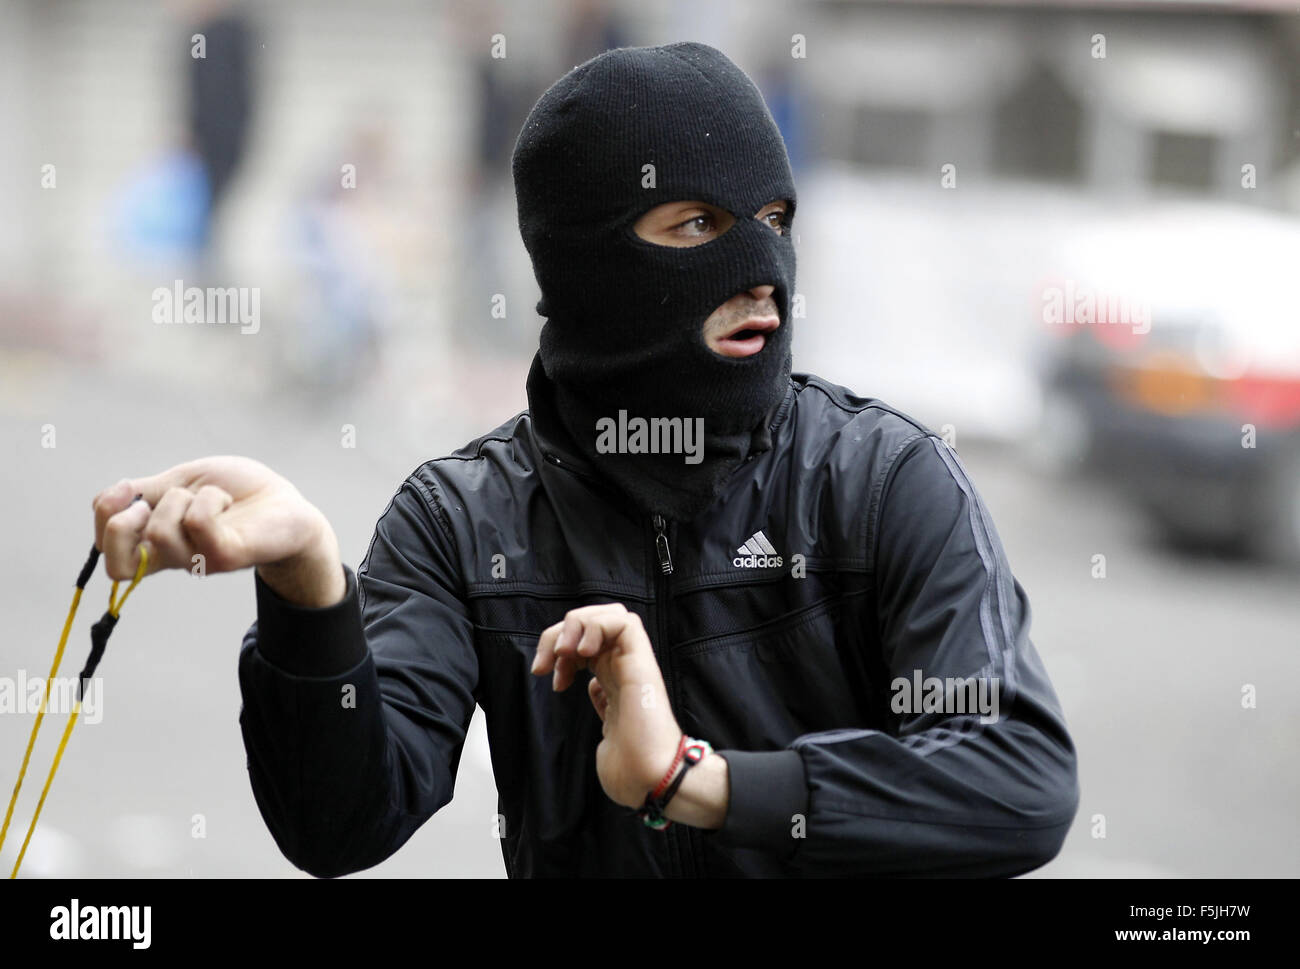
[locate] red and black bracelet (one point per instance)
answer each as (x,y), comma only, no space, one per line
(689,753)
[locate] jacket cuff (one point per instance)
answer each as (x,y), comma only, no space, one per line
(306,641)
(767,789)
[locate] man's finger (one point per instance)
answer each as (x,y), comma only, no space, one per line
(566,668)
(201,527)
(609,628)
(108,503)
(593,637)
(167,542)
(122,534)
(116,498)
(571,630)
(598,698)
(563,677)
(562,637)
(178,476)
(544,661)
(589,629)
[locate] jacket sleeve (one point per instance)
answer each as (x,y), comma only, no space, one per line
(354,716)
(936,793)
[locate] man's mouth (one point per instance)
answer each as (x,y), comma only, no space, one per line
(747,338)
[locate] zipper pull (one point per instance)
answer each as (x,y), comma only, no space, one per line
(661,546)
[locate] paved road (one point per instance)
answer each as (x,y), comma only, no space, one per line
(1149,661)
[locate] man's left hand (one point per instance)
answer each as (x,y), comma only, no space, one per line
(641,734)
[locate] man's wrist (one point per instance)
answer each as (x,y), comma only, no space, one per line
(663,777)
(313,579)
(701,800)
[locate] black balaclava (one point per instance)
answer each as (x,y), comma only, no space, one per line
(624,317)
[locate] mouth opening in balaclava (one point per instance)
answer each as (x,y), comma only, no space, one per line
(623,344)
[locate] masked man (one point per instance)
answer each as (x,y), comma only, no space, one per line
(803,649)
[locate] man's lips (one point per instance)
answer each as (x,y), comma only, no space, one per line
(747,338)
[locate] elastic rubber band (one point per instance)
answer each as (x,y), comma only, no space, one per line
(40,713)
(99,636)
(115,608)
(58,756)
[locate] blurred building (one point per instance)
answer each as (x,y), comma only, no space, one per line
(1139,99)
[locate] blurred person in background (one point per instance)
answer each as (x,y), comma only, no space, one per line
(593,26)
(497,101)
(346,245)
(502,94)
(220,94)
(748,597)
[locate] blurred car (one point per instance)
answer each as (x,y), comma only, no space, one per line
(1151,341)
(1173,369)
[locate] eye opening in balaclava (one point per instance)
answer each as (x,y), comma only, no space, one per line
(617,136)
(628,232)
(787,219)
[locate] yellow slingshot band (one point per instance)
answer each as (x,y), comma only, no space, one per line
(99,637)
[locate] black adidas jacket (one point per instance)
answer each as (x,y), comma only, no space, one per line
(887,567)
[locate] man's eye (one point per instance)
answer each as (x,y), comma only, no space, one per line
(778,220)
(697,226)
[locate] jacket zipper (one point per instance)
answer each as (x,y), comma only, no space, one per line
(679,839)
(661,545)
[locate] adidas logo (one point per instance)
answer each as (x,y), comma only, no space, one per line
(757,553)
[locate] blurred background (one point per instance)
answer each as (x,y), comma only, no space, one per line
(1065,236)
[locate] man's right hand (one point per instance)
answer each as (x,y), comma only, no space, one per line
(236,513)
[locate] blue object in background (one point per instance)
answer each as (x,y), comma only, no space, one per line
(162,212)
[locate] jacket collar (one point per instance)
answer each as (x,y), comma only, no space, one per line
(553,441)
(550,436)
